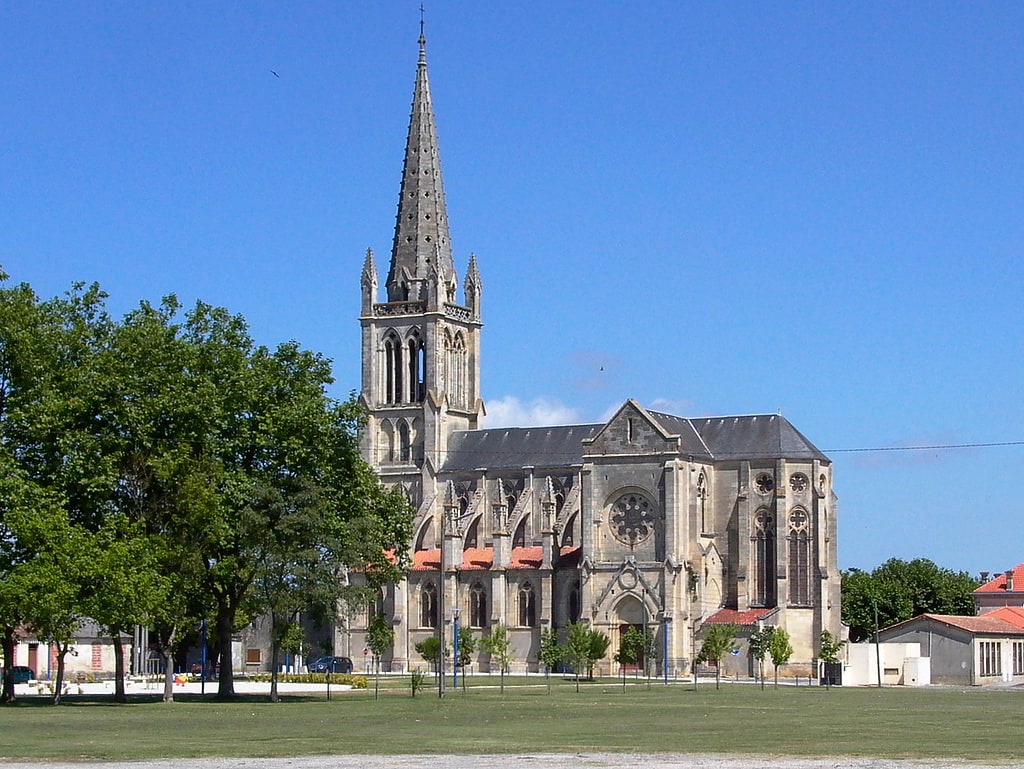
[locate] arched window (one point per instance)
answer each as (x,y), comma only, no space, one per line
(392,368)
(702,496)
(799,559)
(575,602)
(428,605)
(416,361)
(527,605)
(764,558)
(374,607)
(477,605)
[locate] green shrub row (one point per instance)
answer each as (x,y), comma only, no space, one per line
(341,679)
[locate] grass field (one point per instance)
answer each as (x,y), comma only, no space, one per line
(974,724)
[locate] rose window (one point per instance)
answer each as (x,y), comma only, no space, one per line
(764,483)
(632,518)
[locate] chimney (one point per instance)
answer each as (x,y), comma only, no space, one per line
(984,576)
(1009,580)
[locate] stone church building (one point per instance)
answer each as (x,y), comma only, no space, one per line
(650,520)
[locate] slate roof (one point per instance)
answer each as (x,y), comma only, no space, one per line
(761,436)
(508,448)
(998,583)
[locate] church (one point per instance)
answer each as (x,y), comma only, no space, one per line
(650,520)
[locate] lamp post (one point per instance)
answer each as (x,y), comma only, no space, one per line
(455,644)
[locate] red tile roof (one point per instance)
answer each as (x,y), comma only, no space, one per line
(998,583)
(1012,614)
(986,624)
(734,617)
(527,557)
(477,558)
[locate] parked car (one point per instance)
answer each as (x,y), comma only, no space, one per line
(22,674)
(331,665)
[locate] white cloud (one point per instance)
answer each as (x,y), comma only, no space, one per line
(540,412)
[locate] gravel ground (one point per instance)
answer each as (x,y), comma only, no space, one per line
(525,761)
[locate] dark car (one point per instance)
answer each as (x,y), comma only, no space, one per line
(22,674)
(331,665)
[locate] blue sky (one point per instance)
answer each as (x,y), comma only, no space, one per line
(714,208)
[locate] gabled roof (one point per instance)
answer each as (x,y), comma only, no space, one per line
(991,623)
(513,448)
(998,583)
(741,618)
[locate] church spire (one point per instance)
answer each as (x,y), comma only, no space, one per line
(421,244)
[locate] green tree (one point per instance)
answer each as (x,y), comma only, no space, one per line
(498,644)
(584,647)
(758,645)
(718,641)
(430,650)
(468,644)
(628,652)
(829,647)
(380,636)
(551,653)
(780,650)
(899,590)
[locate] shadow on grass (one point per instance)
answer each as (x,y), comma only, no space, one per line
(72,700)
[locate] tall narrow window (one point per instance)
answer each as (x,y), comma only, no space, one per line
(527,605)
(405,442)
(428,605)
(799,559)
(477,605)
(416,361)
(702,496)
(764,558)
(393,370)
(574,602)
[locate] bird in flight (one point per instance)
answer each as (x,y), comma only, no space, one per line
(274,73)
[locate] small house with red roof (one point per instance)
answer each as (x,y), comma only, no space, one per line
(971,651)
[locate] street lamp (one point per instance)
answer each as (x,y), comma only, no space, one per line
(667,620)
(450,519)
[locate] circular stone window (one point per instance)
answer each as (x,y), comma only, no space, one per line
(632,518)
(798,482)
(764,483)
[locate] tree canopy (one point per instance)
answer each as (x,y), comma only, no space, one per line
(900,590)
(207,475)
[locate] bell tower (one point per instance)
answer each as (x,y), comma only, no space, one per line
(420,348)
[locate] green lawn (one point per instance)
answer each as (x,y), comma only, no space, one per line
(981,725)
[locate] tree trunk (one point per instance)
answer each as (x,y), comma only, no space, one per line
(275,650)
(167,652)
(119,695)
(225,626)
(58,685)
(7,694)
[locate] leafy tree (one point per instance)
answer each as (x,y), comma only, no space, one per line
(584,647)
(380,636)
(829,648)
(628,652)
(467,648)
(758,645)
(499,646)
(551,653)
(430,650)
(719,640)
(899,590)
(780,650)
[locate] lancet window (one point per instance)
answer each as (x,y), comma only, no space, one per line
(527,605)
(477,605)
(799,559)
(428,605)
(764,558)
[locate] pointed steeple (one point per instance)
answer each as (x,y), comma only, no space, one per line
(368,283)
(421,231)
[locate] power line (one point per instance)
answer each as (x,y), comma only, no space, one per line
(932,447)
